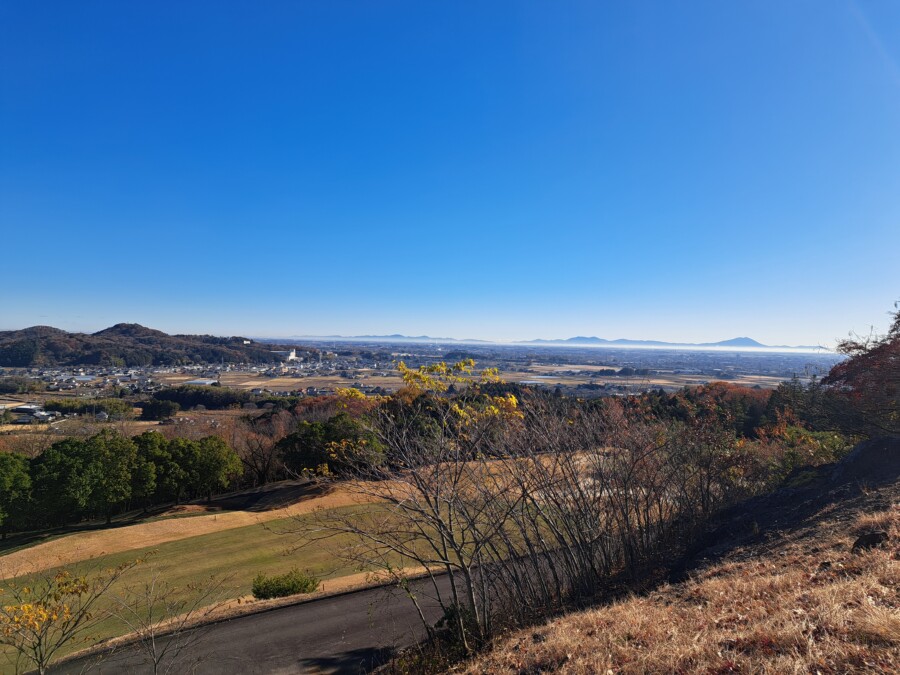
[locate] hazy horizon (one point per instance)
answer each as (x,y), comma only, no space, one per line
(540,341)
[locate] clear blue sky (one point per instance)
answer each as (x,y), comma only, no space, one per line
(686,171)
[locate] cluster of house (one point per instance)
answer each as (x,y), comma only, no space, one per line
(319,391)
(29,413)
(34,413)
(138,380)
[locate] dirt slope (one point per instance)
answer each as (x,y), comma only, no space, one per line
(778,589)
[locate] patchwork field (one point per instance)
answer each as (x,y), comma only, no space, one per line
(550,375)
(240,380)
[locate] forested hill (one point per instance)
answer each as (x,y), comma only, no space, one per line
(125,344)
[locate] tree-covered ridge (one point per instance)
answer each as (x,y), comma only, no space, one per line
(125,345)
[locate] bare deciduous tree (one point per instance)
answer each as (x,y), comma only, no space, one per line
(166,621)
(256,442)
(525,507)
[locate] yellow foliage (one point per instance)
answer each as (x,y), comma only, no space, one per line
(36,613)
(347,395)
(435,377)
(504,408)
(350,394)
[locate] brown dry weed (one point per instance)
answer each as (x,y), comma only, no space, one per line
(802,605)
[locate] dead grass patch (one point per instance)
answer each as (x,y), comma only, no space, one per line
(879,521)
(803,605)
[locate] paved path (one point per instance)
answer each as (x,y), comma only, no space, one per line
(343,634)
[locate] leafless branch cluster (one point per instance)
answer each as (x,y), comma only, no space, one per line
(526,515)
(166,622)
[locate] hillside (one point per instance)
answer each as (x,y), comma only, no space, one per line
(780,587)
(125,344)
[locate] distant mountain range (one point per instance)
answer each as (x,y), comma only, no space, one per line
(737,343)
(579,341)
(130,344)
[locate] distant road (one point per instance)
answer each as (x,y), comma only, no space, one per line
(343,634)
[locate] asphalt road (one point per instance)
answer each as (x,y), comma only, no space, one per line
(345,634)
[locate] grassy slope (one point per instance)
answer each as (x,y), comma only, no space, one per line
(784,594)
(235,555)
(42,551)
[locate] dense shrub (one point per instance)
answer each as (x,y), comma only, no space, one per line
(862,394)
(330,447)
(158,410)
(19,385)
(281,585)
(212,398)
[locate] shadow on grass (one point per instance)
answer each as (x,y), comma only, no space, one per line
(255,500)
(802,500)
(269,497)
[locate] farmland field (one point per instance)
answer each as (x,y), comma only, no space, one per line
(549,375)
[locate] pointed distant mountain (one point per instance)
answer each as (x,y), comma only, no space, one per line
(738,342)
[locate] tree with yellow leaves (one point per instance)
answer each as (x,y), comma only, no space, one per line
(51,609)
(445,493)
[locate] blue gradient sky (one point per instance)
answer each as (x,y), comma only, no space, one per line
(687,171)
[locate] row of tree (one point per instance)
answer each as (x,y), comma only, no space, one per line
(19,385)
(108,473)
(216,397)
(114,407)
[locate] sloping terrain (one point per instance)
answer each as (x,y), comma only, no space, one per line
(125,344)
(803,580)
(81,546)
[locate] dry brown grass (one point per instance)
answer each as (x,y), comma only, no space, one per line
(803,605)
(878,521)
